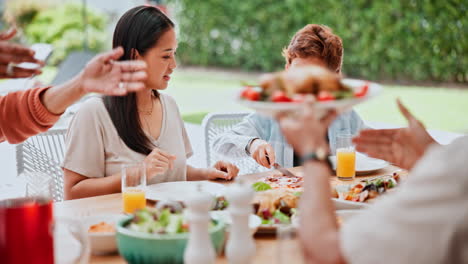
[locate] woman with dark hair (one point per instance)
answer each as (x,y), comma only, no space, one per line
(143,126)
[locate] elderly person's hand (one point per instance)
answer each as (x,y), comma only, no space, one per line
(306,132)
(105,75)
(222,170)
(402,147)
(12,54)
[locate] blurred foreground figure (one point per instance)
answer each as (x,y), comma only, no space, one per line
(423,221)
(27,113)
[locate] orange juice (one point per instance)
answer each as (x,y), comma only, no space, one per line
(133,199)
(345,165)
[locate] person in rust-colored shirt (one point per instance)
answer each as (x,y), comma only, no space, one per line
(27,113)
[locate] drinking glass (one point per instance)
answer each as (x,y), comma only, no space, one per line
(345,157)
(289,249)
(133,186)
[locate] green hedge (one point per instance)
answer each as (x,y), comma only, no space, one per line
(63,27)
(392,39)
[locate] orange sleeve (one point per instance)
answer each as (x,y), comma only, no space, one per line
(22,115)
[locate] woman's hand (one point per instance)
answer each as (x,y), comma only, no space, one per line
(105,75)
(306,132)
(157,162)
(262,152)
(222,170)
(402,147)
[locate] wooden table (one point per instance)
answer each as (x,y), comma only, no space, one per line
(266,246)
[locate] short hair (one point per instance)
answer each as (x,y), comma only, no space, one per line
(316,41)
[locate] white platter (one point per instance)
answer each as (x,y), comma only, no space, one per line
(182,190)
(271,109)
(364,164)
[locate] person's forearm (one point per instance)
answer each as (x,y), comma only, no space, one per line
(319,231)
(196,174)
(96,186)
(57,98)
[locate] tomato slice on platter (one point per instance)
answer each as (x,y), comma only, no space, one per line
(280,97)
(324,96)
(362,91)
(250,94)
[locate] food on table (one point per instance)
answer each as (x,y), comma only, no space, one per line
(261,186)
(154,221)
(279,181)
(276,206)
(293,85)
(367,189)
(173,206)
(220,203)
(102,227)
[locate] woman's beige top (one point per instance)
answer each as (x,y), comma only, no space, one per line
(94,148)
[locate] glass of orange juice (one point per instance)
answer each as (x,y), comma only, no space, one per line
(345,157)
(133,186)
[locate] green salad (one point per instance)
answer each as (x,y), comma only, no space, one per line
(154,221)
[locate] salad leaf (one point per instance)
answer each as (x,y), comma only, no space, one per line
(165,217)
(175,224)
(261,186)
(284,219)
(298,194)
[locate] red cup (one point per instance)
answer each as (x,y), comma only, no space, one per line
(26,231)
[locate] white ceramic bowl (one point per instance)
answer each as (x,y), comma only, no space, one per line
(102,243)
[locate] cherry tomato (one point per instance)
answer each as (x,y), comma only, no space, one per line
(362,91)
(245,91)
(325,96)
(280,96)
(253,95)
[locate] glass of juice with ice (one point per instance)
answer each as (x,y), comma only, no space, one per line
(133,186)
(345,157)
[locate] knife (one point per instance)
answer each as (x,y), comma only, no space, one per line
(280,168)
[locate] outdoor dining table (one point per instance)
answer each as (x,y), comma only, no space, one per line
(266,245)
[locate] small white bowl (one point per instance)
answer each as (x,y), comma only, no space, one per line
(102,243)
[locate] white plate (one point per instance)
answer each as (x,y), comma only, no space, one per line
(348,205)
(364,164)
(272,109)
(254,220)
(182,190)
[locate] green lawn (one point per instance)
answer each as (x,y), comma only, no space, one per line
(198,92)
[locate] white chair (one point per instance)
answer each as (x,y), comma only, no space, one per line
(40,156)
(217,123)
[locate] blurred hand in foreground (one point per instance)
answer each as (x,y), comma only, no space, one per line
(402,146)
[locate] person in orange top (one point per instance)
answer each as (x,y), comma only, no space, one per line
(27,113)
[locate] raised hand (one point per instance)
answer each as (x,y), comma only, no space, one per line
(262,152)
(157,162)
(12,54)
(105,75)
(222,170)
(402,147)
(306,132)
